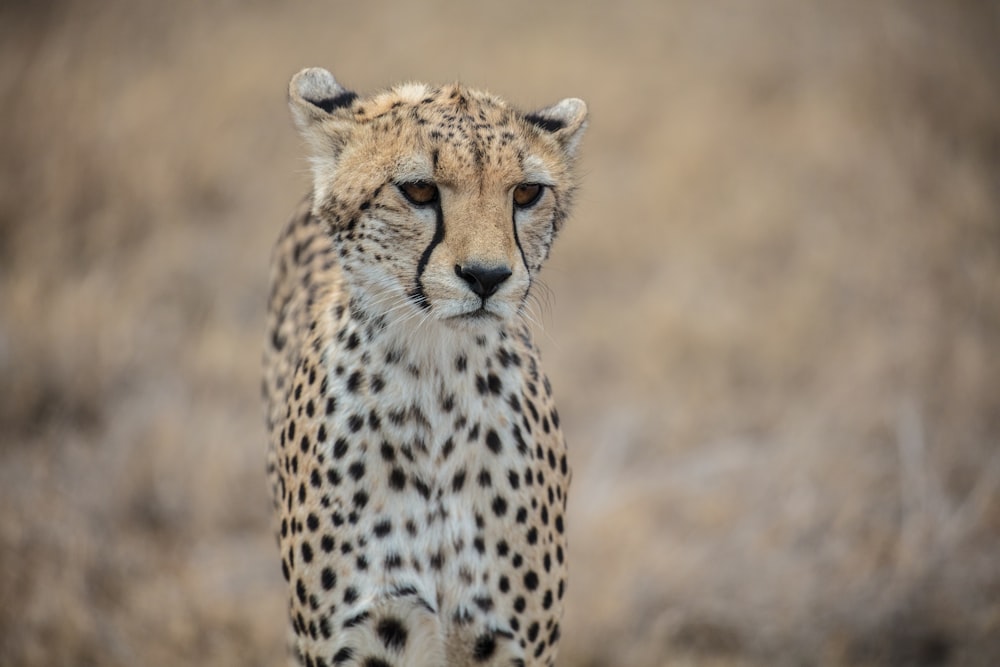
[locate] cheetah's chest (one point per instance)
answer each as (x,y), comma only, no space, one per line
(445,477)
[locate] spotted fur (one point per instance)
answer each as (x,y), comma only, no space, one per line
(416,460)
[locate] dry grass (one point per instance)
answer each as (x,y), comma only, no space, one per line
(774,330)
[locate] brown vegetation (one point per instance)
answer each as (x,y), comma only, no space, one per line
(774,324)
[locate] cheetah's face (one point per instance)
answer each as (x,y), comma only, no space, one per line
(443,202)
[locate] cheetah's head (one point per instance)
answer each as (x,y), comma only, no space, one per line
(443,202)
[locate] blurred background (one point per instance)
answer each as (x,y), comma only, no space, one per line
(774,321)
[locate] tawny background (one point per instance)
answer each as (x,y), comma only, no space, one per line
(774,321)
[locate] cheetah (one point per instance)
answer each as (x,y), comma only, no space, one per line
(416,461)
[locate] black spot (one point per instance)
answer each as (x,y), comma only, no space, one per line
(314,479)
(356,470)
(532,535)
(350,595)
(355,422)
(326,543)
(559,523)
(519,604)
(499,506)
(392,633)
(461,363)
(333,476)
(530,580)
(547,600)
(484,648)
(484,602)
(479,544)
(493,441)
(321,433)
(495,385)
(383,528)
(300,591)
(533,631)
(388,451)
(339,448)
(458,481)
(343,655)
(328,579)
(397,479)
(502,548)
(522,514)
(422,488)
(331,405)
(307,552)
(393,561)
(304,444)
(360,499)
(504,583)
(352,342)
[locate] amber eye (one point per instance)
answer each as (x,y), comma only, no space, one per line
(419,193)
(527,194)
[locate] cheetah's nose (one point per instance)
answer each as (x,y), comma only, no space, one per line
(483,280)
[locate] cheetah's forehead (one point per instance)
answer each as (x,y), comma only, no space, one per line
(452,98)
(449,133)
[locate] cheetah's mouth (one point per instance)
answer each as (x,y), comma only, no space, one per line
(480,314)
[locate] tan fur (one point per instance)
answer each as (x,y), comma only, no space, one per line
(418,470)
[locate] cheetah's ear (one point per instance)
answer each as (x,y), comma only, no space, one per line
(314,97)
(565,120)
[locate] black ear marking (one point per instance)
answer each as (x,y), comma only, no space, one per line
(547,124)
(330,104)
(565,121)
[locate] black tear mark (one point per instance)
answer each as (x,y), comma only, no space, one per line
(417,295)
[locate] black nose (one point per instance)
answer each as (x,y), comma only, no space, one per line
(483,280)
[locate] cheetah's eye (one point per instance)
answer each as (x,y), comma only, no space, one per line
(527,194)
(419,193)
